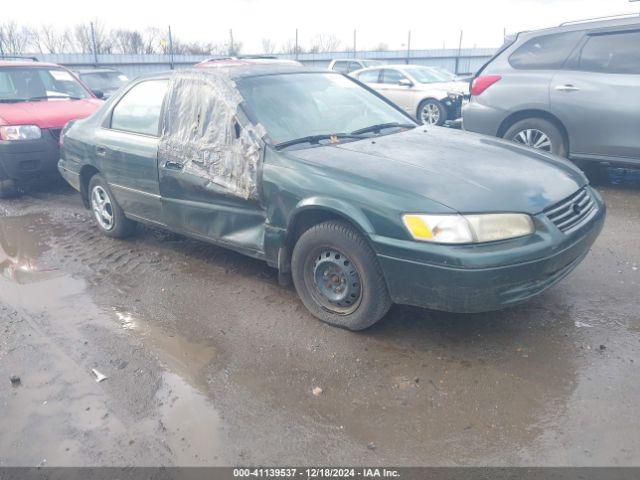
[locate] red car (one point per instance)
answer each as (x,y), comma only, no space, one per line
(36,100)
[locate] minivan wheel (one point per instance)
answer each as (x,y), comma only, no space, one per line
(538,133)
(338,278)
(432,112)
(106,212)
(8,188)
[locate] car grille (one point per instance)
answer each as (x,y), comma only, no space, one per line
(572,212)
(55,133)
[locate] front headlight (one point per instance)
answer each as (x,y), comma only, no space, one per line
(468,228)
(20,132)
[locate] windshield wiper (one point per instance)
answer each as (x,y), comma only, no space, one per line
(316,139)
(13,100)
(47,97)
(382,126)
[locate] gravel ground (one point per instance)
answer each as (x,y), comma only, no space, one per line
(209,362)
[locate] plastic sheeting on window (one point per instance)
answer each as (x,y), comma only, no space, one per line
(205,131)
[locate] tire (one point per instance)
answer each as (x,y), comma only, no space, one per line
(332,256)
(8,188)
(518,133)
(438,111)
(119,226)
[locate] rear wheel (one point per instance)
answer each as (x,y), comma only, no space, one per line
(538,133)
(8,188)
(432,112)
(337,276)
(106,212)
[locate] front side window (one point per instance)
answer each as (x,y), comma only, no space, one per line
(369,76)
(29,84)
(392,77)
(292,106)
(139,110)
(545,52)
(612,53)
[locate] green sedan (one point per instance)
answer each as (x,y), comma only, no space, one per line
(335,186)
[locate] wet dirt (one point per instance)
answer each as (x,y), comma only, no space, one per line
(210,362)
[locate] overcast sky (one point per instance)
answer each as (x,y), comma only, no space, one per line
(432,22)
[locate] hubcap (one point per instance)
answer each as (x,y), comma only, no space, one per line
(430,114)
(336,281)
(532,137)
(102,208)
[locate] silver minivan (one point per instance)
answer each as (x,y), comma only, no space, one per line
(572,90)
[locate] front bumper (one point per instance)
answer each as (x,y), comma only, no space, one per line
(25,159)
(488,277)
(453,106)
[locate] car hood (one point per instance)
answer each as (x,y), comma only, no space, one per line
(47,113)
(463,171)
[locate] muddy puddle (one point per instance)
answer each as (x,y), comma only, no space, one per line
(74,334)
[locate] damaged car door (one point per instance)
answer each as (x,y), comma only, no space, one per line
(208,165)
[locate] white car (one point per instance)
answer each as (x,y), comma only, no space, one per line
(423,92)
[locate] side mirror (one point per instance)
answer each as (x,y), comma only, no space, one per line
(405,82)
(98,93)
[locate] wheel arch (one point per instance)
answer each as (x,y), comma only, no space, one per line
(87,172)
(515,117)
(313,211)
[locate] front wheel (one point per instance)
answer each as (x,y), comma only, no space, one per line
(538,133)
(338,278)
(432,112)
(106,212)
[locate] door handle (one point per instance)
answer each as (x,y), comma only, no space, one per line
(101,150)
(173,165)
(567,88)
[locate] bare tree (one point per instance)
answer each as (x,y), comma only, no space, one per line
(154,40)
(51,40)
(127,41)
(324,43)
(381,47)
(14,39)
(289,47)
(268,46)
(83,38)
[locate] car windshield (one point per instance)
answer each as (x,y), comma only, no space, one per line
(104,81)
(428,75)
(24,84)
(293,106)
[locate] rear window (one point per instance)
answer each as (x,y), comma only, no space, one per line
(545,52)
(341,66)
(612,53)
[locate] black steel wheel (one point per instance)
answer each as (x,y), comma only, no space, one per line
(338,278)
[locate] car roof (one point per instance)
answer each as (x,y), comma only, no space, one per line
(96,70)
(236,71)
(386,65)
(588,24)
(248,60)
(34,64)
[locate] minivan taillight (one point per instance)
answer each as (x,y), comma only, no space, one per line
(480,84)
